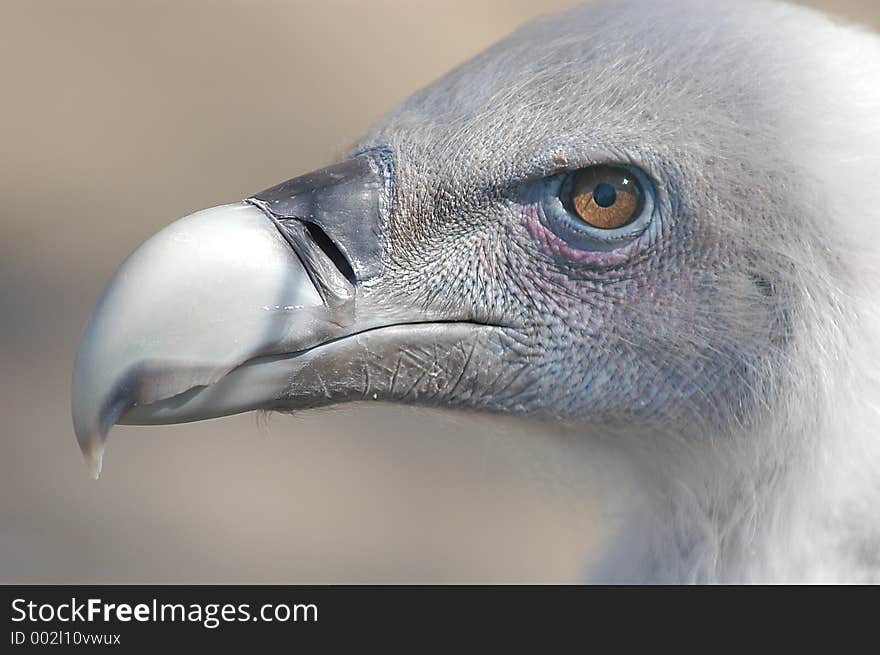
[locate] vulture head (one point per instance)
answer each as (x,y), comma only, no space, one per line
(654,223)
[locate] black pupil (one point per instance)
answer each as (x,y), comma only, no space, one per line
(604,195)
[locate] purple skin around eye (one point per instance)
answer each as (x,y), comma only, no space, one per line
(558,248)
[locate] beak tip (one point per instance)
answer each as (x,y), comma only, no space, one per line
(91,428)
(95,462)
(92,446)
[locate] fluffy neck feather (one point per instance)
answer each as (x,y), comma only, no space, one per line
(791,500)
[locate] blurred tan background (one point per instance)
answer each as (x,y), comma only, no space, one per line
(118,117)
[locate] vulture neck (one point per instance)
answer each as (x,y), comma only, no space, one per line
(776,505)
(792,498)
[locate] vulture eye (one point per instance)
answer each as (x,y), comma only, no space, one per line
(605,197)
(597,208)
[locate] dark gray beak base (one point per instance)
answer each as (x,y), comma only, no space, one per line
(342,207)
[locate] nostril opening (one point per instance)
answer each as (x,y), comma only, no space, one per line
(332,251)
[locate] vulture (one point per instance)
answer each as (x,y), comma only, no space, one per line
(656,224)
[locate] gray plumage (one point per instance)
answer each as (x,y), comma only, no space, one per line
(743,351)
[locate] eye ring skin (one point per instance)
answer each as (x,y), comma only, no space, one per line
(581,235)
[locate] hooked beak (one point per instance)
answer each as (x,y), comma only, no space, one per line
(248,306)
